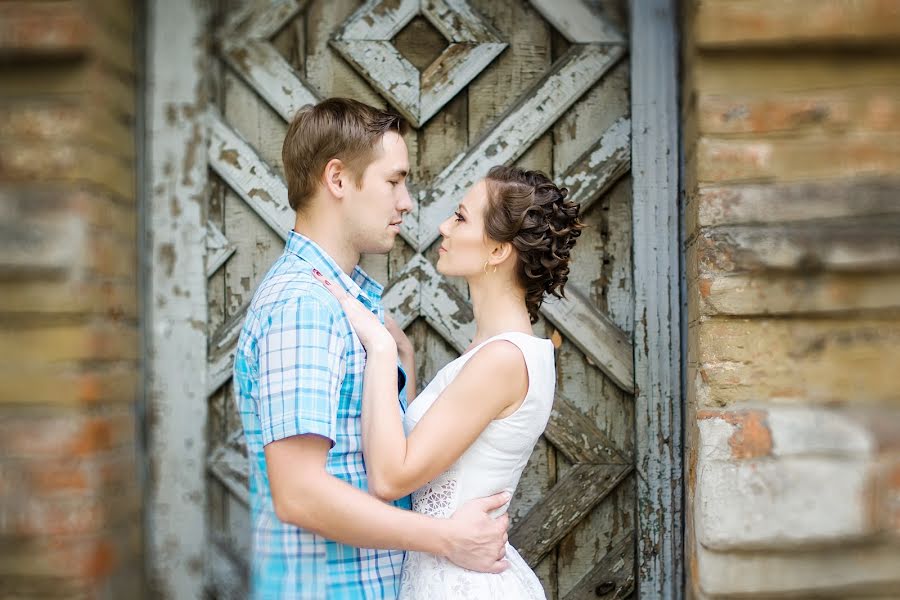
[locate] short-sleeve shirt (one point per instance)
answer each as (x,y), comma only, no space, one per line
(299,370)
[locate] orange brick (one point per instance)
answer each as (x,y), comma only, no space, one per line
(55,28)
(742,23)
(751,438)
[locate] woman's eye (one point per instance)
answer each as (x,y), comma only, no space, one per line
(394,183)
(459,217)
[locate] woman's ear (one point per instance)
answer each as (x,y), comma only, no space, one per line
(500,253)
(334,177)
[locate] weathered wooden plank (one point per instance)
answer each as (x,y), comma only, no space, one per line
(613,577)
(228,463)
(239,165)
(563,507)
(445,309)
(451,72)
(218,249)
(246,48)
(222,346)
(870,244)
(176,395)
(228,573)
(378,21)
(579,21)
(402,298)
(600,167)
(259,244)
(608,347)
(366,42)
(538,109)
(586,545)
(657,350)
(459,22)
(382,65)
(578,438)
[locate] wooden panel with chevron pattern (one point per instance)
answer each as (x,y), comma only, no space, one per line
(539,84)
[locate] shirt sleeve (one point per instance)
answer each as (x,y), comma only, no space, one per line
(301,366)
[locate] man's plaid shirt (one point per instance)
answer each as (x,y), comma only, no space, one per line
(299,369)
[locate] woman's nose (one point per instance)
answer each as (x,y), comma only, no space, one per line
(444,228)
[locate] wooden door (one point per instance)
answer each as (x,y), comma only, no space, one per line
(541,84)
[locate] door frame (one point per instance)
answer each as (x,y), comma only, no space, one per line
(173,186)
(658,311)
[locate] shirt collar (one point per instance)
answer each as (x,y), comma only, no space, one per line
(358,283)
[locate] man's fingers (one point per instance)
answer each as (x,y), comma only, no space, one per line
(494,502)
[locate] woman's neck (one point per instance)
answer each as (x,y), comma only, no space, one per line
(498,306)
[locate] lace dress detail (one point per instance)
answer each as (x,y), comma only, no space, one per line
(437,498)
(494,462)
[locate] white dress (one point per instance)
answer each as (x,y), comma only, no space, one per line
(493,463)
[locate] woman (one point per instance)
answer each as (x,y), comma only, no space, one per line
(472,429)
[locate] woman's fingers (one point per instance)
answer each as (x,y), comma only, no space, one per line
(335,290)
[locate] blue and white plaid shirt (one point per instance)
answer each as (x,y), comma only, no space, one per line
(299,369)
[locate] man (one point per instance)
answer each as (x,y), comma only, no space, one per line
(298,370)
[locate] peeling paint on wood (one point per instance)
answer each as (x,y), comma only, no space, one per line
(218,249)
(539,108)
(246,173)
(246,47)
(177,387)
(657,356)
(600,339)
(600,167)
(577,437)
(564,507)
(366,41)
(579,21)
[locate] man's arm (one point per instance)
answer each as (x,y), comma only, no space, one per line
(307,496)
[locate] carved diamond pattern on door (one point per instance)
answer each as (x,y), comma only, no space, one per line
(417,290)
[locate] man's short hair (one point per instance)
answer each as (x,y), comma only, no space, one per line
(334,128)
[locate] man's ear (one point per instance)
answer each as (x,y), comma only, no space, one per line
(500,253)
(335,177)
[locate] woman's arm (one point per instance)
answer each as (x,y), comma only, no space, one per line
(494,379)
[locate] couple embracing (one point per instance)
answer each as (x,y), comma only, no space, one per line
(359,487)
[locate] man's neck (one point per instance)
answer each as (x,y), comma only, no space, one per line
(331,239)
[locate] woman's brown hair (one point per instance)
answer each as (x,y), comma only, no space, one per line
(526,209)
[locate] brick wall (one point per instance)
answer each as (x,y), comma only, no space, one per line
(791,116)
(70,503)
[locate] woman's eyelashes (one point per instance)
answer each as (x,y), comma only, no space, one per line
(459,217)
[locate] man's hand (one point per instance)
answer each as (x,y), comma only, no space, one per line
(478,541)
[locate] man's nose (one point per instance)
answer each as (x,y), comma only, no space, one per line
(405,204)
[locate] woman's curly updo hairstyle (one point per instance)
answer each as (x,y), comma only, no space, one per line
(529,211)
